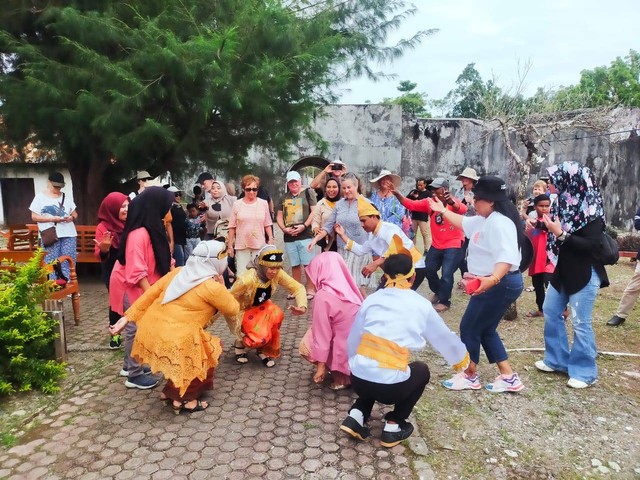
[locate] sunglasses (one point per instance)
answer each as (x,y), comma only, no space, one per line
(250,189)
(145,179)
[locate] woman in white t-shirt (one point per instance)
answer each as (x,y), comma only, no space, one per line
(495,238)
(52,208)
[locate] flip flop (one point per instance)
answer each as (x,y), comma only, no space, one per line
(535,314)
(529,289)
(291,296)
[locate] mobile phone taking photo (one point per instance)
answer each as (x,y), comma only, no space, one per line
(336,166)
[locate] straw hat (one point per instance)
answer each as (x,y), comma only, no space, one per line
(386,173)
(469,173)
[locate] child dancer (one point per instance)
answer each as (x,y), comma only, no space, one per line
(258,323)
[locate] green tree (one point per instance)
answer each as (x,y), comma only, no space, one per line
(413,103)
(116,86)
(466,100)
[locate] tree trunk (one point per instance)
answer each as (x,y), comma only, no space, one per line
(89,185)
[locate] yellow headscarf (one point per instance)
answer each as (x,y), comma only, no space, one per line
(366,208)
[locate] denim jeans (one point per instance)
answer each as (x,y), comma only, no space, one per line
(179,255)
(448,259)
(579,361)
(483,314)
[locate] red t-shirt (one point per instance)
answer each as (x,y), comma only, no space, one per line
(443,233)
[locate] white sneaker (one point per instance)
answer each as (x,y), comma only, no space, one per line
(575,383)
(502,383)
(543,367)
(461,381)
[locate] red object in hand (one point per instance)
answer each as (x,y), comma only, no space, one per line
(470,285)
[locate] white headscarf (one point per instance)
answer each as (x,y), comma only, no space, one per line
(207,261)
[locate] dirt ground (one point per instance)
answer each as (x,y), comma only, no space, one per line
(548,430)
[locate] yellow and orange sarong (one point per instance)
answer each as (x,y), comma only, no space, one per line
(261,328)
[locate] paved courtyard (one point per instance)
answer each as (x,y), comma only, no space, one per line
(262,423)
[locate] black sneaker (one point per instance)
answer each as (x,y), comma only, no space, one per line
(353,428)
(115,342)
(143,382)
(615,321)
(391,439)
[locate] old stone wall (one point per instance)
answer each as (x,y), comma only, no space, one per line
(371,137)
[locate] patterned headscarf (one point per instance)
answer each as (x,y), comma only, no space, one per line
(579,201)
(268,256)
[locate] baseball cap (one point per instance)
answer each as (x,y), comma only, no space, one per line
(293,175)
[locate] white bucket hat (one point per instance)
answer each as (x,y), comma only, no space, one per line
(469,172)
(386,173)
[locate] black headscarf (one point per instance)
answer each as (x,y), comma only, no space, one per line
(147,211)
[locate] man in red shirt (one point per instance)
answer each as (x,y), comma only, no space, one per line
(446,242)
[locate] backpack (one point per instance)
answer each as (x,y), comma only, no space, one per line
(608,254)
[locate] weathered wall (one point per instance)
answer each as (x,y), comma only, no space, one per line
(371,137)
(444,147)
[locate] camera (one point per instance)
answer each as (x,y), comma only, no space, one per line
(336,166)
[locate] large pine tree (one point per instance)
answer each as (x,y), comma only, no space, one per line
(120,86)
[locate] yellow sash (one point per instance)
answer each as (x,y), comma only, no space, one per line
(388,354)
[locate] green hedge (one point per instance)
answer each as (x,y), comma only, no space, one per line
(26,333)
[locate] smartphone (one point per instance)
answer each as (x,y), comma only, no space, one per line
(336,166)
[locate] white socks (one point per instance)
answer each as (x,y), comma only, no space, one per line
(391,427)
(357,415)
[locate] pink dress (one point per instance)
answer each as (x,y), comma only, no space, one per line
(141,263)
(250,220)
(335,305)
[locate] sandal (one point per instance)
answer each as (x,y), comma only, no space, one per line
(310,295)
(340,386)
(241,354)
(529,289)
(268,361)
(535,313)
(182,408)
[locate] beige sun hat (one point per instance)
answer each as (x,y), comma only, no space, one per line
(386,173)
(469,172)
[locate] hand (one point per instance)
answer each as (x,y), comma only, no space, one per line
(485,284)
(312,244)
(339,229)
(436,205)
(118,326)
(105,244)
(554,226)
(299,229)
(297,310)
(231,252)
(202,205)
(202,218)
(369,269)
(328,169)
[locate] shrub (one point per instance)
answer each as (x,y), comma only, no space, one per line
(26,332)
(629,242)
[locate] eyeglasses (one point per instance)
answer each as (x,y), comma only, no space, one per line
(145,179)
(250,189)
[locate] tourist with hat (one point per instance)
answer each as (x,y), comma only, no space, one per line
(143,178)
(294,215)
(54,211)
(257,325)
(468,179)
(390,324)
(496,238)
(335,169)
(390,208)
(446,241)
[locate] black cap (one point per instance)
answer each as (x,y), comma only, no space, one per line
(56,179)
(204,176)
(490,188)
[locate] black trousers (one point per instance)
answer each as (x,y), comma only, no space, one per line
(540,283)
(403,396)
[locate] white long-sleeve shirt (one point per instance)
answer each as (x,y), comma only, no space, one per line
(406,318)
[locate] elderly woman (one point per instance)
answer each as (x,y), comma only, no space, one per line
(495,237)
(249,223)
(345,213)
(578,223)
(111,217)
(334,309)
(54,212)
(390,208)
(172,316)
(257,326)
(321,213)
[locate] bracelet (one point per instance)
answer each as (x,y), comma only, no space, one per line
(495,278)
(562,237)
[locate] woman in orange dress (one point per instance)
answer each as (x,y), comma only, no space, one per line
(171,318)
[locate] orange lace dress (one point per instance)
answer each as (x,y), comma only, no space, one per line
(171,338)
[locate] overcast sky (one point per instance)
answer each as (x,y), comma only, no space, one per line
(559,37)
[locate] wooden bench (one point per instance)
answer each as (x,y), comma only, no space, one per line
(9,258)
(25,238)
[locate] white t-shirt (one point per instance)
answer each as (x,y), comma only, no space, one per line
(44,205)
(491,240)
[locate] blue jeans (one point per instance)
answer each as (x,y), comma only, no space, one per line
(179,255)
(483,314)
(448,259)
(579,361)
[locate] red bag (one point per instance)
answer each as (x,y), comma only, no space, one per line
(471,284)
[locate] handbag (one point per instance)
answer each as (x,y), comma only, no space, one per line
(608,254)
(49,236)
